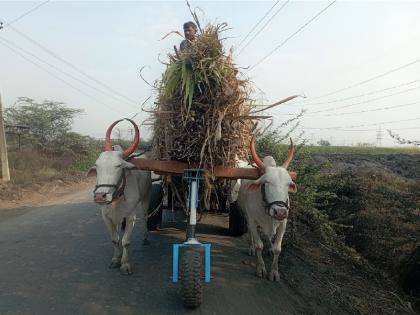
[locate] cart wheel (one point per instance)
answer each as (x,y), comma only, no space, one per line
(191,279)
(156,196)
(237,220)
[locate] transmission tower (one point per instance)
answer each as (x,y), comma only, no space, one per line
(379,137)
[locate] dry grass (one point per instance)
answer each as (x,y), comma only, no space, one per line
(203,110)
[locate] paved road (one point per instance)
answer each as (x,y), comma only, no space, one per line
(54,260)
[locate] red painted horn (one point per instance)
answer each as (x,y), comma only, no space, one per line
(131,148)
(108,145)
(290,155)
(255,156)
(136,140)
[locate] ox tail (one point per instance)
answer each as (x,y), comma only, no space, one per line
(123,224)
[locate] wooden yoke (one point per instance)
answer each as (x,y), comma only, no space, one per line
(177,168)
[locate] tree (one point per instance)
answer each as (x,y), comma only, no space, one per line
(49,121)
(324,143)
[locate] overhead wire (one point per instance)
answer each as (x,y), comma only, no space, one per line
(62,71)
(364,102)
(361,82)
(263,27)
(363,125)
(364,130)
(360,95)
(58,78)
(374,110)
(313,113)
(258,23)
(69,64)
(292,35)
(25,14)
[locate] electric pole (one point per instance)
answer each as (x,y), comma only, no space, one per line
(379,137)
(5,175)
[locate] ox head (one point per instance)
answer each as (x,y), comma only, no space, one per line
(110,168)
(275,183)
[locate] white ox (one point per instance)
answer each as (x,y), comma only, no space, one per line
(121,190)
(265,203)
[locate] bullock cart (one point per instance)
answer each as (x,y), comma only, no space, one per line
(191,271)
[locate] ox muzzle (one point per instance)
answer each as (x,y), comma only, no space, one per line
(108,197)
(278,210)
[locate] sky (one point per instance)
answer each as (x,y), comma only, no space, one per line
(357,63)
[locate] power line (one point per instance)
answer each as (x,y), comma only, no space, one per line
(363,130)
(374,110)
(363,82)
(25,14)
(360,95)
(71,65)
(291,36)
(263,27)
(61,71)
(58,78)
(354,104)
(364,102)
(363,125)
(258,23)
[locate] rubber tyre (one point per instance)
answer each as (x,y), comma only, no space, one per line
(156,196)
(237,221)
(191,279)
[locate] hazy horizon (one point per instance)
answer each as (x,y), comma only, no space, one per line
(348,44)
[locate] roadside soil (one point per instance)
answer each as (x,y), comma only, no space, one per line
(36,195)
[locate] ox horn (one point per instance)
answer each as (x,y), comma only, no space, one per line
(255,156)
(136,140)
(290,155)
(108,145)
(131,148)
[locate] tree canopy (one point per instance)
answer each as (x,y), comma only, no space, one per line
(48,121)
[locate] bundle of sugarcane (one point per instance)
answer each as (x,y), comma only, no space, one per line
(202,115)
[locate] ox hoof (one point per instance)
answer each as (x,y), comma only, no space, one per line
(146,242)
(261,272)
(115,264)
(251,251)
(274,276)
(125,269)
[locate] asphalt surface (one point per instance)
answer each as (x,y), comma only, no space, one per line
(54,260)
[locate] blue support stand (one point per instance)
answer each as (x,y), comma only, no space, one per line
(175,260)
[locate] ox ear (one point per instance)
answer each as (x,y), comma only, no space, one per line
(293,187)
(256,184)
(91,172)
(293,176)
(128,165)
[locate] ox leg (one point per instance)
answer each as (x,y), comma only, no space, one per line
(251,249)
(112,228)
(274,272)
(261,271)
(125,266)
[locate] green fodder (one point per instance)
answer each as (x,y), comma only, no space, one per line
(202,114)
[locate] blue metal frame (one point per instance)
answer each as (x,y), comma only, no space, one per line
(189,176)
(175,260)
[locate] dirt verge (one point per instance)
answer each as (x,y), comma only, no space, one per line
(17,196)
